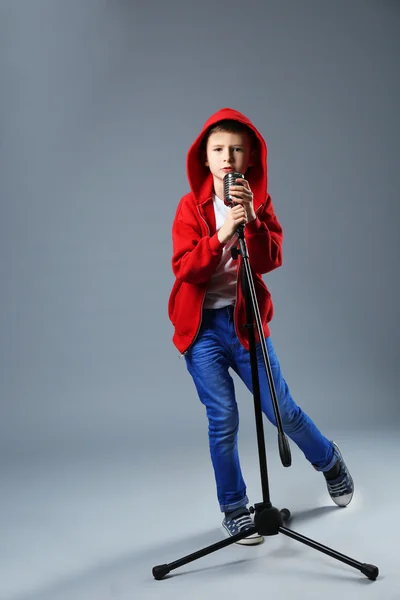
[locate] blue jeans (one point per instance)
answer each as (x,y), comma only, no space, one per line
(215,350)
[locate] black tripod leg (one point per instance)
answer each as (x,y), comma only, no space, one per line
(371,571)
(161,570)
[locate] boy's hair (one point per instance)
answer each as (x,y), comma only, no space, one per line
(230,126)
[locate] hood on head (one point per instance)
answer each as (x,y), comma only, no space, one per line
(200,177)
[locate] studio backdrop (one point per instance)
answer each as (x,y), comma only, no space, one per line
(100,102)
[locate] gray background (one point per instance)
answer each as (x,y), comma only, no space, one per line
(100,425)
(99,104)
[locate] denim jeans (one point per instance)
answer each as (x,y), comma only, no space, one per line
(215,350)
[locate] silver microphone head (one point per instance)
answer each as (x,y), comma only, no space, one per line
(230,179)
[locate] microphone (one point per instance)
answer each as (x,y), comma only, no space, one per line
(230,179)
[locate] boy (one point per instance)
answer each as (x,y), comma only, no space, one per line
(207,310)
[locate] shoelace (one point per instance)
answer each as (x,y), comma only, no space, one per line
(243,521)
(338,487)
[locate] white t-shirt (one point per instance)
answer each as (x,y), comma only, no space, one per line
(221,289)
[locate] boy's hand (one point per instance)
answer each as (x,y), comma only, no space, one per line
(234,217)
(243,195)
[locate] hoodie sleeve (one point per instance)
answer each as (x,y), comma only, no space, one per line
(195,257)
(264,238)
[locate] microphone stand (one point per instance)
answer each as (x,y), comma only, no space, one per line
(268,520)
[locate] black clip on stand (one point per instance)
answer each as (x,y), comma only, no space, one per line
(268,520)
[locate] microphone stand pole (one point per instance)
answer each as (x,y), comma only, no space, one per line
(268,520)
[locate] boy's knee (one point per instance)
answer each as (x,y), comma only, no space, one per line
(225,426)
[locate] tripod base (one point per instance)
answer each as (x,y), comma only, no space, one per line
(268,521)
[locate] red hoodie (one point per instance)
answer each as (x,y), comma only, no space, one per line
(197,250)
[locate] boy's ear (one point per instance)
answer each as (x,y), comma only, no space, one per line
(253,157)
(203,158)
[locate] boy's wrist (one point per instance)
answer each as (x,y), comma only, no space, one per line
(216,244)
(221,237)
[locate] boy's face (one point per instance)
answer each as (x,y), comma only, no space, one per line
(228,152)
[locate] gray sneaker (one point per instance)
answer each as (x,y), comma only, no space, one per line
(239,521)
(341,488)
